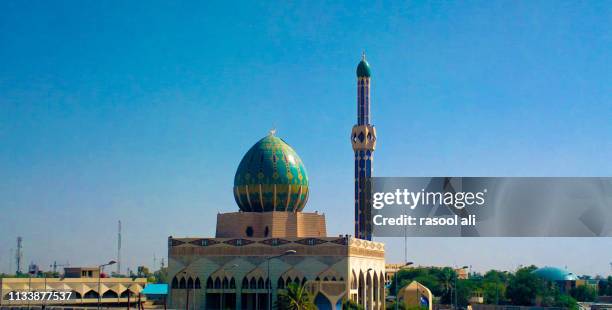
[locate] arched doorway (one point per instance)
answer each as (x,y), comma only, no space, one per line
(322,302)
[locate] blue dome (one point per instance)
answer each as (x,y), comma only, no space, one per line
(363,69)
(554,274)
(271,177)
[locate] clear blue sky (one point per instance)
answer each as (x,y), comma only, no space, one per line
(142,111)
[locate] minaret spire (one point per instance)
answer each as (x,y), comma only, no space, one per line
(363,139)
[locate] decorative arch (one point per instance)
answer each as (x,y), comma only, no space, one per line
(197,284)
(190,283)
(110,294)
(91,294)
(329,274)
(361,289)
(353,280)
(280,283)
(322,302)
(182,283)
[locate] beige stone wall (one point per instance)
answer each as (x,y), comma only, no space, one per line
(78,286)
(326,263)
(278,224)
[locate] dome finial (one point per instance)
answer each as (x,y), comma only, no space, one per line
(272,132)
(363,56)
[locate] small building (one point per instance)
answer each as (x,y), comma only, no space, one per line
(416,294)
(81,272)
(71,291)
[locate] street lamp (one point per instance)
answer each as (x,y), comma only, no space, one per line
(462,268)
(269,286)
(229,268)
(112,262)
(395,278)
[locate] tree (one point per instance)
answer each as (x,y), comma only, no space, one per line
(584,293)
(446,277)
(566,301)
(161,276)
(295,297)
(524,287)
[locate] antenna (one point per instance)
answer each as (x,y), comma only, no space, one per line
(11,260)
(154,262)
(119,249)
(19,254)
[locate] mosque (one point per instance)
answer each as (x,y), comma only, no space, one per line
(271,242)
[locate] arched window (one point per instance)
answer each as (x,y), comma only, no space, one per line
(325,279)
(126,293)
(253,283)
(174,283)
(317,279)
(288,282)
(225,283)
(304,281)
(91,294)
(209,283)
(182,283)
(197,283)
(245,283)
(217,283)
(190,283)
(75,295)
(232,283)
(333,279)
(268,284)
(280,284)
(110,294)
(260,283)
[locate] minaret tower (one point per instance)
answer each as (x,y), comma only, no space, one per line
(363,139)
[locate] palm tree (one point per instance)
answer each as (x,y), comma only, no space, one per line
(295,297)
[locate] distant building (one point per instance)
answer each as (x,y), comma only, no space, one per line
(564,279)
(77,291)
(81,272)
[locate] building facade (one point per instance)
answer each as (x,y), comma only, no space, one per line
(77,291)
(271,243)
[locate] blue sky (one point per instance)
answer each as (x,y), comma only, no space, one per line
(141,111)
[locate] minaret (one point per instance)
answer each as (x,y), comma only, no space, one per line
(363,139)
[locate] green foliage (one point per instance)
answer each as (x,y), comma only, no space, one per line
(161,276)
(566,301)
(350,304)
(494,284)
(295,297)
(391,306)
(584,293)
(524,287)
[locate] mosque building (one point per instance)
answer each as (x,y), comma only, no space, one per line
(271,242)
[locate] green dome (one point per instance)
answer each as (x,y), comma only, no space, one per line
(554,274)
(271,177)
(363,69)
